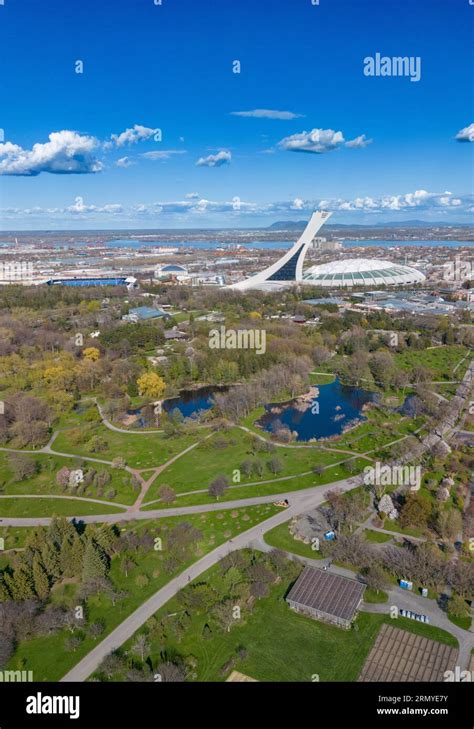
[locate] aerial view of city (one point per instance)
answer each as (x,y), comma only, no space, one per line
(236,358)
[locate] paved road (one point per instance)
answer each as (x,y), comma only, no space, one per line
(302,501)
(294,497)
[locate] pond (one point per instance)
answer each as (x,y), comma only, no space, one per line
(190,402)
(327,410)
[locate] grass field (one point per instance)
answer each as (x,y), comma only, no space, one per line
(48,657)
(44,481)
(376,537)
(223,454)
(280,538)
(335,473)
(23,508)
(140,450)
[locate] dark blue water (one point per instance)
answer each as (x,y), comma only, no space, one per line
(339,406)
(190,402)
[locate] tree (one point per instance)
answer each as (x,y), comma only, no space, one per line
(458,607)
(40,579)
(22,466)
(374,577)
(170,672)
(415,511)
(449,523)
(218,486)
(141,645)
(92,354)
(166,494)
(62,477)
(126,565)
(94,563)
(151,385)
(275,465)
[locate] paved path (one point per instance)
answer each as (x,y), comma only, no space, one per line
(301,502)
(294,497)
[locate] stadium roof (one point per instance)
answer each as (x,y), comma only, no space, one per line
(327,593)
(361,272)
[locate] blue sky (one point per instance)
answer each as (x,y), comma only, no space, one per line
(369,148)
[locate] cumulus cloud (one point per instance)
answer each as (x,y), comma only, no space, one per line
(466,134)
(137,133)
(66,153)
(267,114)
(317,141)
(359,142)
(215,160)
(421,201)
(163,153)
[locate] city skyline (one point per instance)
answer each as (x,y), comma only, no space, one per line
(159,131)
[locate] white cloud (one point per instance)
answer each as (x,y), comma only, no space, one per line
(317,141)
(215,160)
(163,154)
(135,134)
(466,134)
(124,162)
(66,153)
(359,142)
(267,114)
(420,201)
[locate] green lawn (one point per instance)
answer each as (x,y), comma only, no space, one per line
(377,537)
(335,473)
(44,481)
(375,596)
(140,450)
(280,538)
(23,508)
(216,527)
(223,455)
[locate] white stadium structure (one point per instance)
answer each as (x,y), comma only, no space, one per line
(348,272)
(361,272)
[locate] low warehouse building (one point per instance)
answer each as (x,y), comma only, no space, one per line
(326,596)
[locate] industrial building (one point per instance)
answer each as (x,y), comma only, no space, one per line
(326,596)
(129,281)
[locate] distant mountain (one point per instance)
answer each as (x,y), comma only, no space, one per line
(300,224)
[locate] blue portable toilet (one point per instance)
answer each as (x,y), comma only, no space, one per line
(406,584)
(330,536)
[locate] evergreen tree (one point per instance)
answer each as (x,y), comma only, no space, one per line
(95,562)
(77,556)
(22,585)
(40,579)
